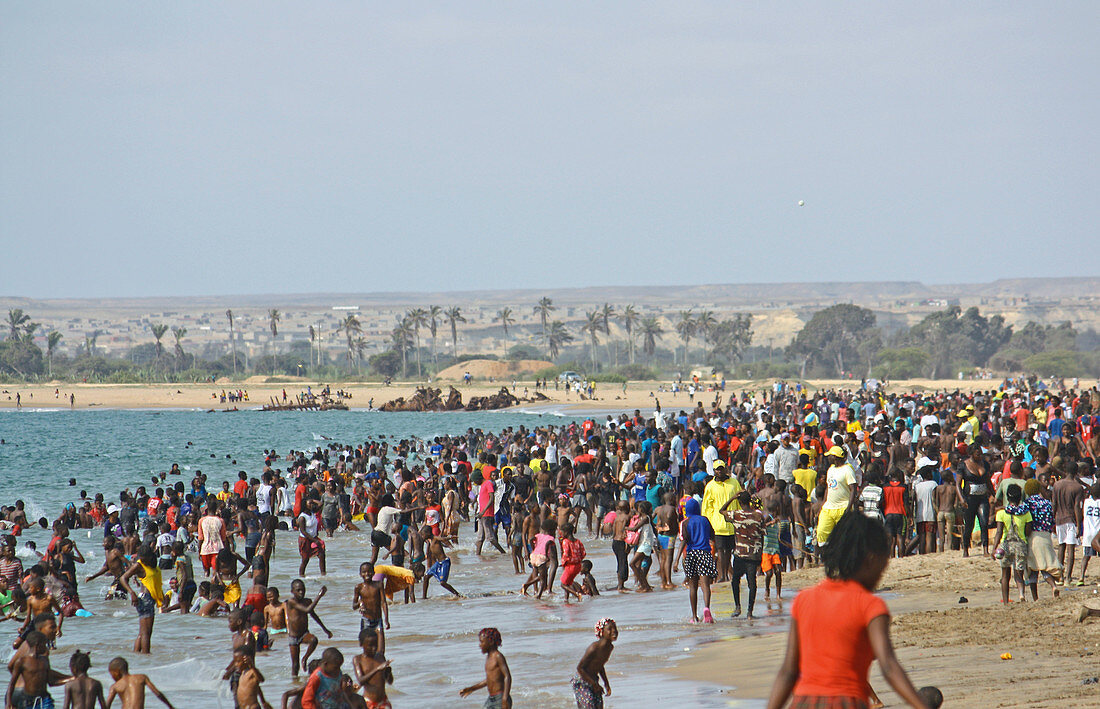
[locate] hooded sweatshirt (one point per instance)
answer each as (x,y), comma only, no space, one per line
(697,530)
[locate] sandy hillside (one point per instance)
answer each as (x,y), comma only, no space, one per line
(492,369)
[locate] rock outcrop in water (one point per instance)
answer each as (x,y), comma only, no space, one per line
(430,399)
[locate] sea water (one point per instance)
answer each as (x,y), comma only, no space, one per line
(432,645)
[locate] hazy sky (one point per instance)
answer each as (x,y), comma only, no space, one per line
(160,148)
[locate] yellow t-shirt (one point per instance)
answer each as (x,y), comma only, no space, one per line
(808,452)
(854,427)
(806,477)
(1040,414)
(714,496)
(223,495)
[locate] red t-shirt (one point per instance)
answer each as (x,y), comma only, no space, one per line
(834,649)
(1021,415)
(893,498)
(241,488)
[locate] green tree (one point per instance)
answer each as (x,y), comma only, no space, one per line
(543,308)
(454,317)
(158,332)
(435,316)
(385,363)
(20,357)
(685,328)
(273,319)
(418,318)
(350,327)
(52,341)
(833,336)
(730,338)
(630,318)
(903,363)
(950,336)
(506,320)
(178,333)
(651,330)
(17,321)
(401,338)
(593,326)
(557,336)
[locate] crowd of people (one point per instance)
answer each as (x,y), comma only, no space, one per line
(738,490)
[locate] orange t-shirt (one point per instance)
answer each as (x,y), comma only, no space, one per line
(834,649)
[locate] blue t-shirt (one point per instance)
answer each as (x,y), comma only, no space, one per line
(697,533)
(639,488)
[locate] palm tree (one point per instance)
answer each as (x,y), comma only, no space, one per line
(651,330)
(28,331)
(232,340)
(402,337)
(17,320)
(606,313)
(351,327)
(312,339)
(593,326)
(543,309)
(705,325)
(158,332)
(556,337)
(630,319)
(178,333)
(454,317)
(685,327)
(51,346)
(273,319)
(435,316)
(504,317)
(418,318)
(360,348)
(89,342)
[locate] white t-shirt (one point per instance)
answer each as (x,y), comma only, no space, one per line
(386,517)
(263,498)
(551,454)
(837,482)
(311,524)
(1091,509)
(709,456)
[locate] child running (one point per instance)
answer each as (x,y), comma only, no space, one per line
(131,688)
(839,626)
(299,610)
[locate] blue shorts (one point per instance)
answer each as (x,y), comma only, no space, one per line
(664,540)
(146,606)
(441,570)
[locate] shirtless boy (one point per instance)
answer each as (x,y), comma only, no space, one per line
(498,678)
(249,695)
(33,669)
(274,612)
(440,567)
(370,600)
(131,688)
(299,610)
(372,671)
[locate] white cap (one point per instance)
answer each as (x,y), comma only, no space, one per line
(111,509)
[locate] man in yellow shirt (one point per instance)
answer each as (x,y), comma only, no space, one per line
(717,493)
(840,494)
(804,475)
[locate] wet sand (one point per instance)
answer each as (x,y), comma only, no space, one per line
(954,646)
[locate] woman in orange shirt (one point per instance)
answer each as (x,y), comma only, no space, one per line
(839,626)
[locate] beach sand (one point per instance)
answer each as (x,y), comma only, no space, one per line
(954,646)
(609,397)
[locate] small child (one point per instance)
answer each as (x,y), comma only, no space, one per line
(258,628)
(248,694)
(324,689)
(82,691)
(1013,525)
(299,610)
(274,613)
(498,678)
(131,688)
(592,667)
(539,558)
(372,670)
(572,554)
(587,580)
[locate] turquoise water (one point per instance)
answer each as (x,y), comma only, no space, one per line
(432,645)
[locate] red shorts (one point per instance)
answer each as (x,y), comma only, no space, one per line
(569,573)
(208,561)
(308,549)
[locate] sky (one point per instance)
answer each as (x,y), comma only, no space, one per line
(210,148)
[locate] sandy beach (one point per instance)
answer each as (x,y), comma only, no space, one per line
(609,397)
(940,641)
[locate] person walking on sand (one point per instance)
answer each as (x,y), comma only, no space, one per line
(839,626)
(699,566)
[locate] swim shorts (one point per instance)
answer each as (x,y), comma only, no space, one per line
(380,539)
(441,570)
(895,524)
(1067,534)
(767,561)
(664,541)
(586,695)
(146,606)
(294,640)
(494,701)
(382,704)
(308,549)
(372,623)
(699,562)
(20,700)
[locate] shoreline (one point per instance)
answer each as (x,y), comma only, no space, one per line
(610,398)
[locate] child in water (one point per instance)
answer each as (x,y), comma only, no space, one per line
(839,626)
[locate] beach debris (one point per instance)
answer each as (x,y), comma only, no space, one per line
(1090,680)
(1006,656)
(963,599)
